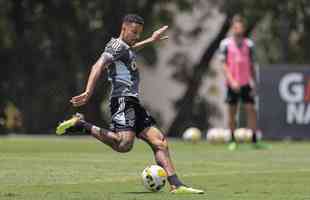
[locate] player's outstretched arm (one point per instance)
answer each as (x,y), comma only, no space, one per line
(156,36)
(96,70)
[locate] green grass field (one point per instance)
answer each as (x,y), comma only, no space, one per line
(52,168)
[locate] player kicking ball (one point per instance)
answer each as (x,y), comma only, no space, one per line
(129,118)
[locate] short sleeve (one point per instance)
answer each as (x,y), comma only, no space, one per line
(252,49)
(114,51)
(223,50)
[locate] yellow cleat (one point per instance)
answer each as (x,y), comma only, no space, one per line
(62,127)
(186,190)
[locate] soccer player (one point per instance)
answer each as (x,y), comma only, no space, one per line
(237,54)
(129,118)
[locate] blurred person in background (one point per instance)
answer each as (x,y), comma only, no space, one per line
(237,55)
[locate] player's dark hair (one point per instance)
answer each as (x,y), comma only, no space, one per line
(133,18)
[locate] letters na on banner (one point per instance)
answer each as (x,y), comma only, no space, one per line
(284,101)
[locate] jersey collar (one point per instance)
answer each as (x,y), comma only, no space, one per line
(124,43)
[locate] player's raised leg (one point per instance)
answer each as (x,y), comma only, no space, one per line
(120,142)
(159,145)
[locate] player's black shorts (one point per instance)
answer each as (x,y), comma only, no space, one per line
(245,95)
(128,115)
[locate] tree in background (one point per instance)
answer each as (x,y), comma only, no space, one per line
(47,47)
(283,35)
(284,38)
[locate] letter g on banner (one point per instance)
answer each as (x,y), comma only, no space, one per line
(291,88)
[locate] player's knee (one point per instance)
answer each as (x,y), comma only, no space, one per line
(125,146)
(162,144)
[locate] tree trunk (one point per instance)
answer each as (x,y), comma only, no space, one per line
(186,104)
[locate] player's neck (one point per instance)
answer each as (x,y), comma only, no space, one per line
(121,38)
(238,39)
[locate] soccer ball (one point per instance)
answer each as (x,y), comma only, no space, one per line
(243,135)
(192,134)
(211,135)
(225,135)
(218,135)
(154,178)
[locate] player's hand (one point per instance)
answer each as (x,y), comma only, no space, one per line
(158,35)
(235,86)
(81,99)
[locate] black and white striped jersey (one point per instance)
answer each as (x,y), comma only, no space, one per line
(122,71)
